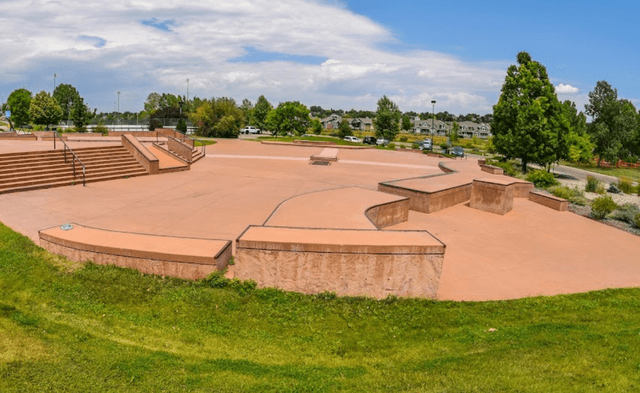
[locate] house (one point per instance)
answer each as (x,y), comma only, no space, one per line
(468,129)
(359,123)
(425,126)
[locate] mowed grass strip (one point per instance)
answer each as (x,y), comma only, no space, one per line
(89,328)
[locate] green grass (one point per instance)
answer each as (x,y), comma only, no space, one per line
(633,174)
(88,328)
(200,142)
(337,141)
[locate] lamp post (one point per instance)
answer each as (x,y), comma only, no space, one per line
(187,90)
(54,83)
(118,108)
(433,112)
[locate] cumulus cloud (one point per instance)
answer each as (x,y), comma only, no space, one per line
(566,89)
(315,51)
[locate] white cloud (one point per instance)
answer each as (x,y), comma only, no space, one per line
(104,47)
(566,89)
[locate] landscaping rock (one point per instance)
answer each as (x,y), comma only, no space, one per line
(614,190)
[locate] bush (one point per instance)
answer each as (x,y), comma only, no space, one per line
(415,146)
(573,195)
(403,138)
(508,167)
(626,213)
(542,178)
(636,220)
(592,184)
(101,128)
(391,146)
(601,189)
(154,123)
(602,206)
(625,185)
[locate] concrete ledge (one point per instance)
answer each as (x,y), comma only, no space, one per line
(180,148)
(388,214)
(149,161)
(188,258)
(430,201)
(521,189)
(348,262)
(12,136)
(315,143)
(492,195)
(550,201)
(494,170)
(327,155)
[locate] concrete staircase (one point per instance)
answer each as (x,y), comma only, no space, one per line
(27,171)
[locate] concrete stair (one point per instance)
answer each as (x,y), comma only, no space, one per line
(27,171)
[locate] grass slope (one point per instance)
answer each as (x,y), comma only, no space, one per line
(89,328)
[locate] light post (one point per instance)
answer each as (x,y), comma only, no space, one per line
(187,90)
(433,112)
(54,83)
(118,108)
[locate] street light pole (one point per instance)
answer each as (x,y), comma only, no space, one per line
(187,90)
(54,83)
(433,112)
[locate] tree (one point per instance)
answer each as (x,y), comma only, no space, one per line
(316,126)
(290,116)
(219,117)
(580,147)
(19,102)
(528,121)
(453,133)
(80,114)
(387,121)
(261,111)
(406,123)
(44,109)
(67,96)
(614,123)
(344,129)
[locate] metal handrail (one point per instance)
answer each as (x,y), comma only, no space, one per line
(75,158)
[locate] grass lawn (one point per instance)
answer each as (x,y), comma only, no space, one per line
(633,174)
(88,328)
(200,142)
(337,141)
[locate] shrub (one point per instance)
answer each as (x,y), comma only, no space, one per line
(636,220)
(101,128)
(508,167)
(626,213)
(592,184)
(403,138)
(542,178)
(573,195)
(415,146)
(391,146)
(602,206)
(154,123)
(601,189)
(625,185)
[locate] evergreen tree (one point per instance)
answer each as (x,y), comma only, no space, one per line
(528,120)
(260,112)
(80,114)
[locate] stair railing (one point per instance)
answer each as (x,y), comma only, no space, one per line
(204,146)
(74,157)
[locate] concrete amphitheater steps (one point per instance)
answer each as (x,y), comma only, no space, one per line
(46,169)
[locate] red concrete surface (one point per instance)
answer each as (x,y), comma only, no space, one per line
(531,250)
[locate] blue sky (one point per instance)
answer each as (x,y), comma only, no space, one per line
(340,54)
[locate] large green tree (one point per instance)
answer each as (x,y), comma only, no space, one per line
(289,117)
(406,123)
(260,112)
(219,117)
(316,126)
(344,129)
(44,109)
(19,102)
(614,125)
(528,120)
(387,121)
(67,96)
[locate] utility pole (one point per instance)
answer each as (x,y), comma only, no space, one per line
(54,83)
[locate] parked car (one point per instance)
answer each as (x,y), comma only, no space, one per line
(369,140)
(457,151)
(382,142)
(352,139)
(250,130)
(426,145)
